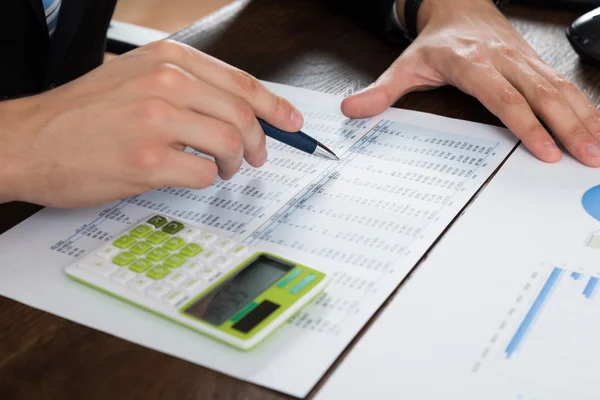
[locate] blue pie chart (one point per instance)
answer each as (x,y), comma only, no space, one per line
(591,202)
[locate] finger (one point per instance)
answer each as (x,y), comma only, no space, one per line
(187,170)
(225,107)
(209,136)
(184,90)
(505,101)
(552,107)
(581,105)
(409,73)
(267,105)
(394,83)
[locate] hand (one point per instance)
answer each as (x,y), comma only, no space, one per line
(121,129)
(469,44)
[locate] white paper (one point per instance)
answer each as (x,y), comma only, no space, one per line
(448,333)
(365,220)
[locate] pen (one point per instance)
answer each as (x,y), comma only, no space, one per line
(298,140)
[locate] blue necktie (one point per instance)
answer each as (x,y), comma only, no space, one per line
(51,9)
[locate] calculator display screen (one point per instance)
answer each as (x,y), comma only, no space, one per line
(233,295)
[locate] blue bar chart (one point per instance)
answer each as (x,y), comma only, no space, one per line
(585,287)
(590,288)
(550,331)
(533,312)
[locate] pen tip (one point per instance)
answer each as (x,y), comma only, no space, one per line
(325,152)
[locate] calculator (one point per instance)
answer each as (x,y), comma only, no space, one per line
(189,275)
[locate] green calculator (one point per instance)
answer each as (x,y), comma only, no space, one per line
(213,285)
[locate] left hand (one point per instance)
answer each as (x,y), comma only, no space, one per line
(469,44)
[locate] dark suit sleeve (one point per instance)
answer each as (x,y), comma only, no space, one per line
(374,15)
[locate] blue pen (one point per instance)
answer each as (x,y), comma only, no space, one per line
(298,140)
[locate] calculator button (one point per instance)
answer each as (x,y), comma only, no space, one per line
(140,265)
(222,262)
(173,227)
(157,221)
(189,233)
(140,283)
(158,272)
(157,290)
(157,254)
(191,285)
(157,237)
(122,276)
(175,297)
(140,248)
(206,238)
(208,274)
(124,258)
(174,243)
(209,255)
(239,250)
(108,252)
(191,249)
(224,245)
(141,231)
(193,266)
(290,277)
(175,278)
(175,260)
(98,265)
(124,241)
(297,288)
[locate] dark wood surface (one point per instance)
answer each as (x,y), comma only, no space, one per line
(299,42)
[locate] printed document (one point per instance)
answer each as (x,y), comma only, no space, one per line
(506,306)
(365,220)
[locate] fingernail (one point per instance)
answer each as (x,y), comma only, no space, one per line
(552,149)
(593,150)
(297,118)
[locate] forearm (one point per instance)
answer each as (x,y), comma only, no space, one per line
(12,117)
(432,8)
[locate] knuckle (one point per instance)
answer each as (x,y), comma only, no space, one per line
(578,131)
(544,92)
(592,120)
(232,141)
(147,156)
(244,116)
(508,51)
(167,76)
(511,96)
(245,82)
(535,130)
(281,107)
(476,55)
(562,83)
(166,49)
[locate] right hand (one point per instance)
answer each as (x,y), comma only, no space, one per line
(121,129)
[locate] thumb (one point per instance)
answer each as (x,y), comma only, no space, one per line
(398,80)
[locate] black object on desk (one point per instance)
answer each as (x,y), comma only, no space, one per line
(584,36)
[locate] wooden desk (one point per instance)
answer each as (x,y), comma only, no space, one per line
(298,42)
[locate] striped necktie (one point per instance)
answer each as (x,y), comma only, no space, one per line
(51,9)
